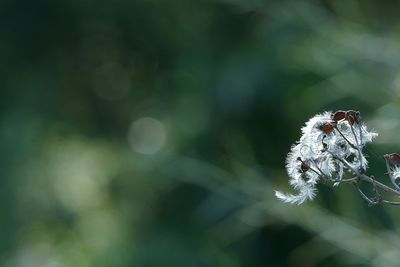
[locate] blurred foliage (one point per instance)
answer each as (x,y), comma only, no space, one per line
(153,133)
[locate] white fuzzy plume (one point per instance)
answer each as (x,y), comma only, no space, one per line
(315,156)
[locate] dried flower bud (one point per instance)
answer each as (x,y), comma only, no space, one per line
(304,167)
(353,116)
(393,158)
(327,127)
(338,115)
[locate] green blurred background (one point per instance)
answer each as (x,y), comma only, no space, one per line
(154,133)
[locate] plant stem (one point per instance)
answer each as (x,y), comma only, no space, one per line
(369,179)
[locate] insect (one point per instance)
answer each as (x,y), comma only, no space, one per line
(351,116)
(393,158)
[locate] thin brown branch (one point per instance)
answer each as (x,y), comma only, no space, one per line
(366,178)
(391,202)
(364,196)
